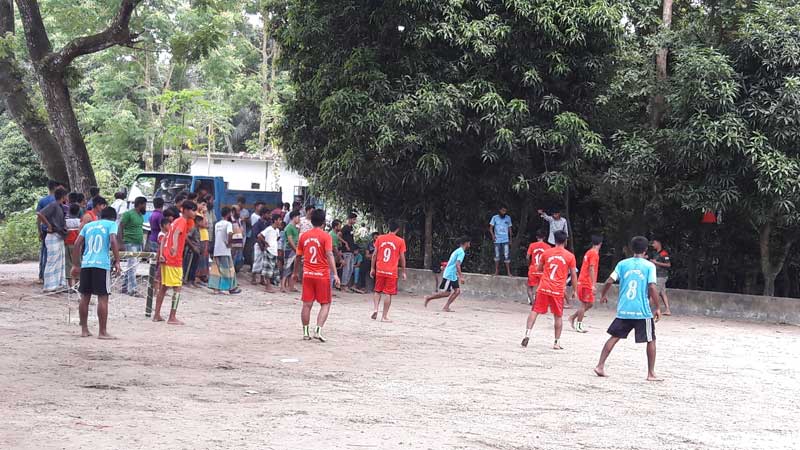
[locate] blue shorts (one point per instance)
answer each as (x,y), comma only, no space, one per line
(502,249)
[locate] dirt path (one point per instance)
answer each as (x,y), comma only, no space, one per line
(239,376)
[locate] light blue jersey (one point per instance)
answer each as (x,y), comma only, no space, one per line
(97,237)
(450,272)
(501,226)
(634,276)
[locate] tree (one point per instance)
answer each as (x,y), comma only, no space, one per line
(15,96)
(51,68)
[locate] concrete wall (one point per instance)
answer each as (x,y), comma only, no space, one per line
(238,173)
(682,302)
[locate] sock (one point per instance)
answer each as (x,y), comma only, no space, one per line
(579,325)
(176,298)
(305,330)
(527,332)
(318,330)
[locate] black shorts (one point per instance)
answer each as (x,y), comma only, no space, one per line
(448,285)
(645,329)
(95,281)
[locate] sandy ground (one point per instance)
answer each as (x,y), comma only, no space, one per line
(239,376)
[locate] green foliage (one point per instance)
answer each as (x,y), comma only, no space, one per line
(19,240)
(22,178)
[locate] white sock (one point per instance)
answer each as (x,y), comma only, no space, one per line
(527,332)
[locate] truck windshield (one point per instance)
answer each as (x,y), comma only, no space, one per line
(166,186)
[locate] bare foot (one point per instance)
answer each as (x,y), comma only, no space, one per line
(572,321)
(174,322)
(85,333)
(667,313)
(269,291)
(653,377)
(427,300)
(386,319)
(600,372)
(106,337)
(158,318)
(447,310)
(374,315)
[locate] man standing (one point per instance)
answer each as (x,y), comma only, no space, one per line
(98,205)
(155,224)
(316,247)
(587,283)
(264,220)
(348,245)
(557,223)
(451,277)
(52,185)
(94,268)
(290,252)
(270,271)
(120,205)
(500,228)
(305,221)
(637,285)
(534,256)
(660,258)
(556,264)
(390,250)
(222,277)
(54,220)
(335,233)
(172,254)
(130,235)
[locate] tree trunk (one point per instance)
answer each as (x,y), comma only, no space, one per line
(67,132)
(18,103)
(772,265)
(519,230)
(659,102)
(265,86)
(427,259)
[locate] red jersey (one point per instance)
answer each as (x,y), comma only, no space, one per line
(557,265)
(535,251)
(590,258)
(388,249)
(314,245)
(181,228)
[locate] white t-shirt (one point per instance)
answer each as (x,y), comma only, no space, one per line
(271,235)
(221,231)
(120,206)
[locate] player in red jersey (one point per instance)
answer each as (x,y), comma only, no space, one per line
(172,249)
(316,247)
(390,249)
(534,256)
(555,265)
(587,282)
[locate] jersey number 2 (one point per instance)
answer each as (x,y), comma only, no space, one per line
(314,255)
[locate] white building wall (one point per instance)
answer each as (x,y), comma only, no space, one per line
(240,174)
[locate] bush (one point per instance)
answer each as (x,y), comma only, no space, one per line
(18,238)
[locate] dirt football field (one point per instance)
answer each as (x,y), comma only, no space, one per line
(239,376)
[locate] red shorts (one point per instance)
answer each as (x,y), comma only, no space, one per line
(318,289)
(585,294)
(543,301)
(533,279)
(385,285)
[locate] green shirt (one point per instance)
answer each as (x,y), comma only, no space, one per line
(335,238)
(131,224)
(294,233)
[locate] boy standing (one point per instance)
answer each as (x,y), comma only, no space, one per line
(587,282)
(222,277)
(73,229)
(555,264)
(390,249)
(661,260)
(94,268)
(290,253)
(270,271)
(451,278)
(500,229)
(316,247)
(172,256)
(637,285)
(534,256)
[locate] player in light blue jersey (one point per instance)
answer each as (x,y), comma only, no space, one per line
(93,265)
(637,308)
(451,277)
